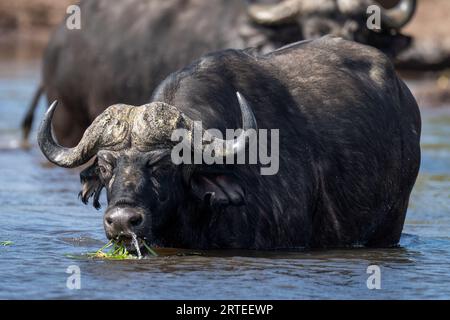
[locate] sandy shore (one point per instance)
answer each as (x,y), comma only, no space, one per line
(431,22)
(26,25)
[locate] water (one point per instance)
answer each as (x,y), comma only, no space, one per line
(136,245)
(41,214)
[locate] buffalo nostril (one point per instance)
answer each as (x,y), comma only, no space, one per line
(136,220)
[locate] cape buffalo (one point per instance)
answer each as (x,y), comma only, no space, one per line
(125,48)
(349,132)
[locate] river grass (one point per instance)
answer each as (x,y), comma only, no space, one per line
(117,251)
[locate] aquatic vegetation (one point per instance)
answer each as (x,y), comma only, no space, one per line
(6,243)
(118,251)
(150,250)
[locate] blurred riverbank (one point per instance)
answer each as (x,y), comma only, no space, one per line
(25,22)
(25,27)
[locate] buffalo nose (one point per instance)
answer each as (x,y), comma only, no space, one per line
(122,221)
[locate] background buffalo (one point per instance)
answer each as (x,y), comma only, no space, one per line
(133,45)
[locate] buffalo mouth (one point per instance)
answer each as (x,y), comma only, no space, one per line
(132,243)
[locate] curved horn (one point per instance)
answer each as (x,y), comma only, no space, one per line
(237,145)
(399,15)
(224,148)
(276,14)
(61,156)
(288,10)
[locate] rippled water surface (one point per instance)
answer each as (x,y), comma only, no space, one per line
(41,215)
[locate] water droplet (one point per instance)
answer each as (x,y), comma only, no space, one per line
(136,245)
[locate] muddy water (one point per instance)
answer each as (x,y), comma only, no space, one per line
(40,213)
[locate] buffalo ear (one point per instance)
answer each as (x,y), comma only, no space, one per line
(91,185)
(217,189)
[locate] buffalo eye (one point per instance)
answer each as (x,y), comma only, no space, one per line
(103,172)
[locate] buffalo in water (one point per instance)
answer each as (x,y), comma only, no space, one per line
(349,154)
(125,48)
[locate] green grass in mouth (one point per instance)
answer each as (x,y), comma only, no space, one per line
(117,251)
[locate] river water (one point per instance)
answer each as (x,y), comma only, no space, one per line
(48,225)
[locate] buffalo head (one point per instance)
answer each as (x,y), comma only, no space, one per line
(343,18)
(131,151)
